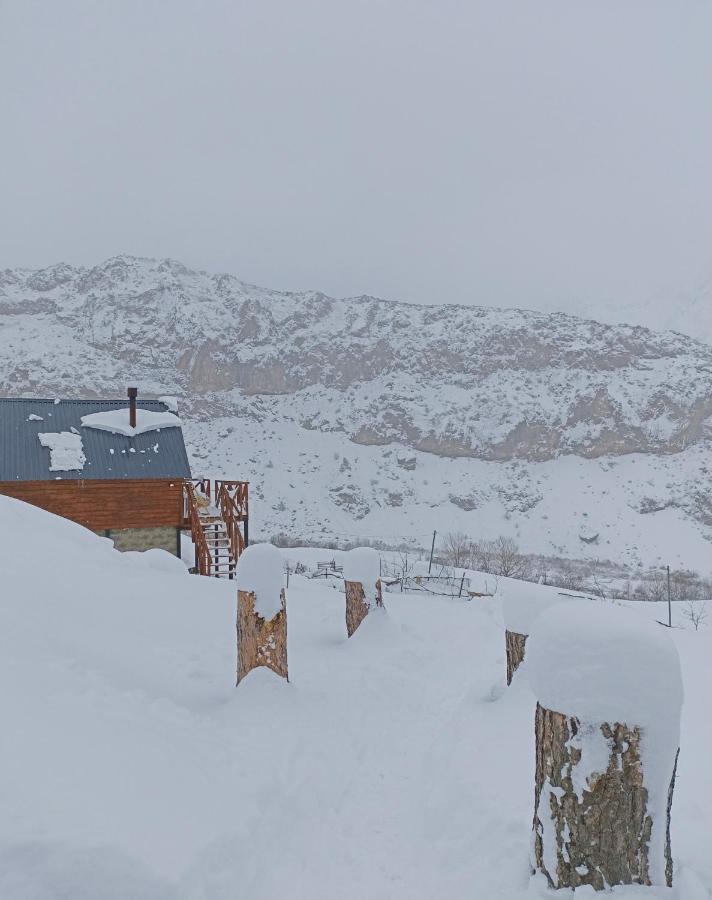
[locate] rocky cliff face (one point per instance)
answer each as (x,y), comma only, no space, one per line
(468,383)
(453,381)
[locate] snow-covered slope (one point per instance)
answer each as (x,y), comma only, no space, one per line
(378,419)
(393,765)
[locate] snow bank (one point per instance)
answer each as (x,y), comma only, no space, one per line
(259,570)
(523,602)
(52,536)
(363,565)
(66,453)
(119,672)
(603,663)
(116,421)
(160,560)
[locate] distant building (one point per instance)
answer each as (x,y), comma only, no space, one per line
(117,468)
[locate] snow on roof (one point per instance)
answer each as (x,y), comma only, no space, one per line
(65,450)
(259,570)
(170,403)
(22,457)
(117,421)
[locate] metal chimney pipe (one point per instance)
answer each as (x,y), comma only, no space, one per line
(133,393)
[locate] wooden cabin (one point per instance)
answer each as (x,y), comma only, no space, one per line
(121,469)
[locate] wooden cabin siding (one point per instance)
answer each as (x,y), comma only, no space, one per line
(106,504)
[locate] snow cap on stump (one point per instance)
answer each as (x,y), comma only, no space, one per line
(608,666)
(523,603)
(259,571)
(603,663)
(363,564)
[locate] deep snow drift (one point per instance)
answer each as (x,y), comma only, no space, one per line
(393,765)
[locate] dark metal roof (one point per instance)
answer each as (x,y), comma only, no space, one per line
(23,458)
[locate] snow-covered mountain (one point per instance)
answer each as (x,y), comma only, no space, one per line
(369,418)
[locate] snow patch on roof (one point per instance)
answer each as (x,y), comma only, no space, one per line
(66,452)
(170,403)
(117,421)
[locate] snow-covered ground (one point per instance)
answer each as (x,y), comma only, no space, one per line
(393,765)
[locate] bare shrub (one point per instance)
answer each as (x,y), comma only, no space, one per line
(508,561)
(482,556)
(695,611)
(457,549)
(569,577)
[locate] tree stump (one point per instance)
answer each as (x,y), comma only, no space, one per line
(607,730)
(357,604)
(260,642)
(362,580)
(515,652)
(592,827)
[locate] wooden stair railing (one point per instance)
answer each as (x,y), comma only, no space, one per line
(219,529)
(203,557)
(231,500)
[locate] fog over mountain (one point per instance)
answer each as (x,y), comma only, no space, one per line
(552,155)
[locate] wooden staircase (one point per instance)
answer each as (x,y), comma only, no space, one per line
(217,515)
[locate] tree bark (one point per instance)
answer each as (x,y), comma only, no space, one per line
(260,642)
(357,605)
(592,828)
(515,652)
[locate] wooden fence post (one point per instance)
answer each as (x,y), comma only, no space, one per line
(607,732)
(261,611)
(362,581)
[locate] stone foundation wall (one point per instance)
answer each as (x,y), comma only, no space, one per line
(164,538)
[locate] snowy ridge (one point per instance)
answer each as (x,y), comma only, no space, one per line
(379,418)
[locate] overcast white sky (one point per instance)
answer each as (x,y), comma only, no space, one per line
(542,154)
